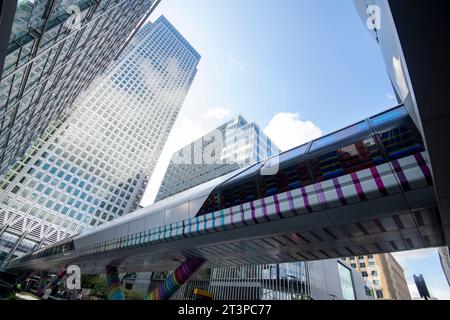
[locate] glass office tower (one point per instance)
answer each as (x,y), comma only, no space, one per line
(54,50)
(92,165)
(241,144)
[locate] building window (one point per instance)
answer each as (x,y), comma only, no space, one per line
(379,294)
(345,276)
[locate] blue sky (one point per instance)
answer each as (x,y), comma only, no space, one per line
(298,68)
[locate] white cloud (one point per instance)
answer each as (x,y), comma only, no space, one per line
(217,113)
(403,256)
(287,130)
(390,96)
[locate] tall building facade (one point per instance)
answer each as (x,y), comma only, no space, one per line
(444,257)
(93,164)
(241,144)
(54,51)
(383,275)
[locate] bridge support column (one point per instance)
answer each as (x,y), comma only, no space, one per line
(168,288)
(55,281)
(42,284)
(115,291)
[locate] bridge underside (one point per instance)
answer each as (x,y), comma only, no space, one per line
(387,208)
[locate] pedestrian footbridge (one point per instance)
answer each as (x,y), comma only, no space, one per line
(365,189)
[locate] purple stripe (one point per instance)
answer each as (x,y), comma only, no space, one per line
(306,200)
(378,181)
(401,175)
(321,194)
(291,203)
(338,188)
(232,218)
(358,187)
(424,167)
(242,215)
(277,206)
(252,206)
(264,207)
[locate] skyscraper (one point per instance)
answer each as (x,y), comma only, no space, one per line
(241,144)
(54,50)
(383,275)
(93,164)
(445,262)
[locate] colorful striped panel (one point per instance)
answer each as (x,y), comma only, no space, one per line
(115,291)
(166,289)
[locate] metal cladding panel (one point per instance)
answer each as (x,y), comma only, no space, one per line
(107,235)
(412,173)
(422,198)
(328,190)
(388,179)
(154,220)
(303,222)
(80,242)
(406,221)
(195,205)
(377,208)
(121,231)
(348,189)
(177,213)
(388,223)
(284,205)
(136,226)
(370,187)
(310,193)
(98,237)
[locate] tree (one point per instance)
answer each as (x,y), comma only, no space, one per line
(97,285)
(133,295)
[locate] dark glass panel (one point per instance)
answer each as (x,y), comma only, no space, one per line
(357,156)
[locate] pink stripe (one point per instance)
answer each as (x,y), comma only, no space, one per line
(264,207)
(306,200)
(232,218)
(401,175)
(291,203)
(277,206)
(358,187)
(338,188)
(378,181)
(321,194)
(242,215)
(252,206)
(424,167)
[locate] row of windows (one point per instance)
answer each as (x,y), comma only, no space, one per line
(50,251)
